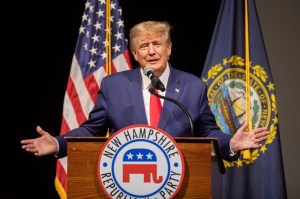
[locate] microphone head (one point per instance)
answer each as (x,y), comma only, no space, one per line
(148,69)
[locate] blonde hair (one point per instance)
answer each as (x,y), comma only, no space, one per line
(149,26)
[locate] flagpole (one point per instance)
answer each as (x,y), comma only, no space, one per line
(246,153)
(108,39)
(108,44)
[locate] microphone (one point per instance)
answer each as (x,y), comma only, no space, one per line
(156,83)
(152,91)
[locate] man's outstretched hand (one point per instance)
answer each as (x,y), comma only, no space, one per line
(43,145)
(244,139)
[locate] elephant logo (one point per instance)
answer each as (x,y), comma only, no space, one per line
(141,161)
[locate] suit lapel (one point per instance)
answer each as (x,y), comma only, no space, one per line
(174,90)
(136,96)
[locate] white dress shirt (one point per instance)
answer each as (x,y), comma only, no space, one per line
(146,94)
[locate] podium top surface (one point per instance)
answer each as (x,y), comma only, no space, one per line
(177,139)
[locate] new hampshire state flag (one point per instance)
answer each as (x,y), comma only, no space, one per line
(240,84)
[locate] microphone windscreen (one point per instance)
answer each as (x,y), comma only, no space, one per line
(147,69)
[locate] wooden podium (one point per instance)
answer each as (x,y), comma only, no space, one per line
(202,158)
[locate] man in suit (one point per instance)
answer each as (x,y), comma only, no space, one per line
(124,100)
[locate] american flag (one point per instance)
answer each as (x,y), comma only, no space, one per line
(89,65)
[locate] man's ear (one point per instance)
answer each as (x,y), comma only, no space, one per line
(170,49)
(134,55)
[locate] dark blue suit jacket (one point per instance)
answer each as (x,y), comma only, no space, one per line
(120,104)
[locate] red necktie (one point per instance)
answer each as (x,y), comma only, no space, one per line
(155,109)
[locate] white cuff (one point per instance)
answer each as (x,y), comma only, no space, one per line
(55,155)
(232,153)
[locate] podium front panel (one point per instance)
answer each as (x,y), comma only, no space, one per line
(83,154)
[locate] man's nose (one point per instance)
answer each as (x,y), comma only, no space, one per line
(151,49)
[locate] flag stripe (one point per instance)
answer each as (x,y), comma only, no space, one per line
(75,101)
(99,74)
(69,120)
(122,62)
(92,85)
(61,172)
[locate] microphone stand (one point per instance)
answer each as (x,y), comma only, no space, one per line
(152,91)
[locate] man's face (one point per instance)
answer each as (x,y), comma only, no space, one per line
(152,50)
